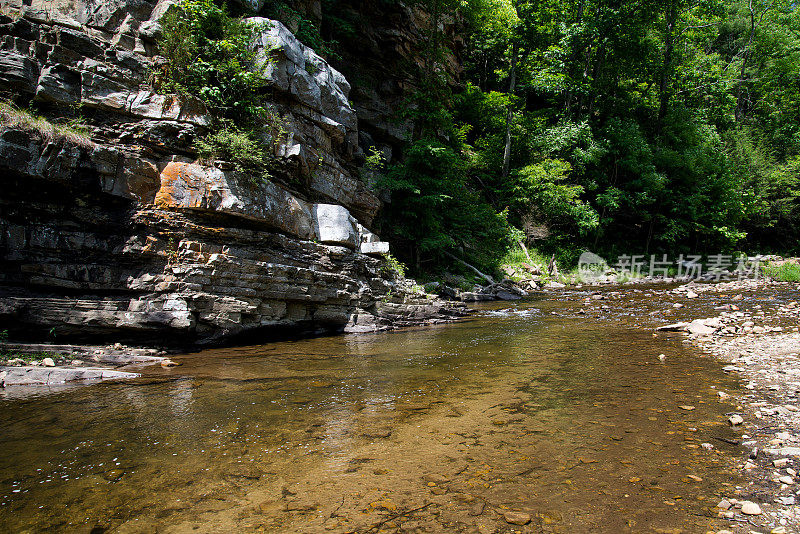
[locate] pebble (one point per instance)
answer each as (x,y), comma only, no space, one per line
(724,504)
(735,420)
(778,530)
(750,508)
(516,518)
(48,362)
(168,363)
(786,480)
(780,462)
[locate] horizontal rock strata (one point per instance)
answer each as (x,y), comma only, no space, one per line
(122,234)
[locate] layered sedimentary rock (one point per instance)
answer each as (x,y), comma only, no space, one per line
(124,234)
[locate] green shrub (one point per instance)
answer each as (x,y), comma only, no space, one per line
(233,145)
(394,267)
(786,272)
(210,55)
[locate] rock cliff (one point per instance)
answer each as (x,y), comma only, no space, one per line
(123,234)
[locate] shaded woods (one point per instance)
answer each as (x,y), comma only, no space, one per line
(641,126)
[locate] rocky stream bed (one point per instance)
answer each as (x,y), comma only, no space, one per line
(564,412)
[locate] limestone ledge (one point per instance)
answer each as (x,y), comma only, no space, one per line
(38,376)
(125,236)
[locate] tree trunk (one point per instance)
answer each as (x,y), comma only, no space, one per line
(470,267)
(669,45)
(510,116)
(742,72)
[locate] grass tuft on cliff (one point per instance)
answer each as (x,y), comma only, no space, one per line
(73,131)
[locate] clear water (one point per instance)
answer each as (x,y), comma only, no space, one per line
(530,407)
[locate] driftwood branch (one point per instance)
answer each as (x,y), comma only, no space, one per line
(475,270)
(525,250)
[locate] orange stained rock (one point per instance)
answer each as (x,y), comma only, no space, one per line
(182,185)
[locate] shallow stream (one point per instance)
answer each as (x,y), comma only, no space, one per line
(571,419)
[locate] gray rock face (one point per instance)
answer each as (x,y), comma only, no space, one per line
(126,236)
(333,224)
(323,134)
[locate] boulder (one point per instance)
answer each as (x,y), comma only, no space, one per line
(198,187)
(333,224)
(674,327)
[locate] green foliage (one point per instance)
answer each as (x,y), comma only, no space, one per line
(210,55)
(435,210)
(542,186)
(234,145)
(393,267)
(785,272)
(375,161)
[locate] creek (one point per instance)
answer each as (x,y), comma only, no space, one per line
(536,407)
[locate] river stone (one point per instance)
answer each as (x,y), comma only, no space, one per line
(735,420)
(750,508)
(48,362)
(674,327)
(785,451)
(516,518)
(700,328)
(31,376)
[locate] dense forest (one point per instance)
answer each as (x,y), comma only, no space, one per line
(639,127)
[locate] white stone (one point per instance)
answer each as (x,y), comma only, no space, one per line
(375,247)
(750,508)
(700,328)
(333,224)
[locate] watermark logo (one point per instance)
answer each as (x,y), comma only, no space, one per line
(593,268)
